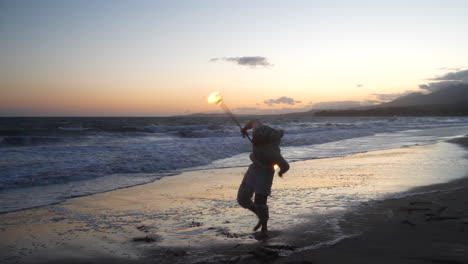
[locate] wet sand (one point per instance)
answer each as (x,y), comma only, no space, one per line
(427,225)
(324,211)
(422,228)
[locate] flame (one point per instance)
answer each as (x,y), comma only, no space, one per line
(215,98)
(275,167)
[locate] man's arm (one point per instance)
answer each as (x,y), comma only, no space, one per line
(252,124)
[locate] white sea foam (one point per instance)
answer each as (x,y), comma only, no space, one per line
(41,153)
(76,129)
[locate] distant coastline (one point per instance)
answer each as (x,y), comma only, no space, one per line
(419,110)
(448,101)
(423,110)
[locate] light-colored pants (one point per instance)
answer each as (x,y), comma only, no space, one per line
(259,206)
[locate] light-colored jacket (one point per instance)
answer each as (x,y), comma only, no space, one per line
(265,154)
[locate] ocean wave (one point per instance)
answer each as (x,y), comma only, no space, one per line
(50,152)
(81,149)
(74,129)
(28,140)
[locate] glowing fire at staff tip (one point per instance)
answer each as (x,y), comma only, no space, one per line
(215,98)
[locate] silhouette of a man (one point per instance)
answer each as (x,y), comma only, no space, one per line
(259,176)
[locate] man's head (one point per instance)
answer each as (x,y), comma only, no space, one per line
(264,135)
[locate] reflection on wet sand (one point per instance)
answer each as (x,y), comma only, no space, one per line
(198,209)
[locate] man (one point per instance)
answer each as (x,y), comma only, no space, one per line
(259,177)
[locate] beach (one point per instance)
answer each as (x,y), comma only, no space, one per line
(235,132)
(422,228)
(389,205)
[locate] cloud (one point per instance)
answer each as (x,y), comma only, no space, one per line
(270,111)
(445,80)
(457,68)
(359,85)
(435,86)
(338,105)
(390,96)
(252,61)
(461,76)
(282,100)
(371,102)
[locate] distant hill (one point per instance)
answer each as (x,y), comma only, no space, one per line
(419,110)
(307,113)
(202,115)
(215,115)
(405,100)
(454,94)
(449,101)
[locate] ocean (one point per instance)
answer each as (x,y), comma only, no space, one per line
(47,160)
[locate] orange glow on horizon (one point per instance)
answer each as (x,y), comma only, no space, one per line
(108,96)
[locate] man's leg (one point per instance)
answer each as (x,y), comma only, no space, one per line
(244,197)
(261,209)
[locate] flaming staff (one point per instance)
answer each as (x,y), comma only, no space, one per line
(217,99)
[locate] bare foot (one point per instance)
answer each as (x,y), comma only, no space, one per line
(261,235)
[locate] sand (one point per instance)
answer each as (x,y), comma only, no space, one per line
(424,228)
(428,225)
(361,208)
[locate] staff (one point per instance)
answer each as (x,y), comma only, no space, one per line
(217,99)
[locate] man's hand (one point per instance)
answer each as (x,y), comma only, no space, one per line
(283,168)
(252,124)
(244,132)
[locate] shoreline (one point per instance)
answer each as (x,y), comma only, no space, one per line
(427,224)
(427,227)
(36,196)
(130,221)
(157,177)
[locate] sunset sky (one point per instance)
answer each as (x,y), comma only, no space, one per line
(158,58)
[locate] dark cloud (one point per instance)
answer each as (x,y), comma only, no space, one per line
(458,68)
(282,100)
(461,76)
(344,104)
(435,86)
(389,96)
(246,61)
(271,111)
(371,102)
(448,79)
(337,105)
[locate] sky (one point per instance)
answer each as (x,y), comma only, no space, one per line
(160,58)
